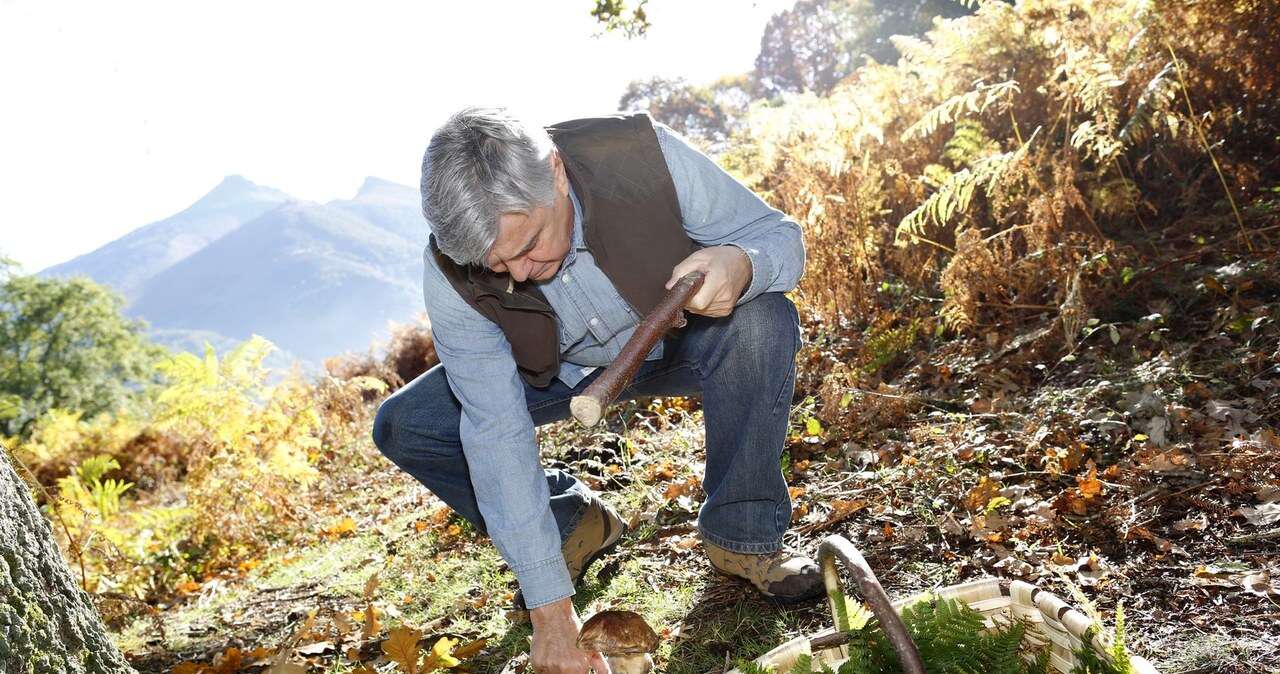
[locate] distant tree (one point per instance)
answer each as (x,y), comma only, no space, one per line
(65,343)
(615,16)
(704,114)
(817,43)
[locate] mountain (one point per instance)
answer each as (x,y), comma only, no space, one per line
(127,263)
(317,279)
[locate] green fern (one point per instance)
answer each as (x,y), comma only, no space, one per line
(956,193)
(969,143)
(953,638)
(974,102)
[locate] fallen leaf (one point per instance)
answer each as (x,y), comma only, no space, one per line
(1090,486)
(470,650)
(1260,584)
(227,662)
(287,668)
(372,626)
(316,648)
(1267,513)
(371,586)
(982,493)
(439,658)
(342,624)
(401,646)
(344,527)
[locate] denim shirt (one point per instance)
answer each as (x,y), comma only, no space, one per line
(497,432)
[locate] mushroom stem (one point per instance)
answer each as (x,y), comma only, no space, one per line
(635,663)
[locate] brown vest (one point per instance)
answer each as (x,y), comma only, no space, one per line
(631,225)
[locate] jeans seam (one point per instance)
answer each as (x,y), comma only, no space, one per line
(742,547)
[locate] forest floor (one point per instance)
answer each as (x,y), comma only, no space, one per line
(1136,459)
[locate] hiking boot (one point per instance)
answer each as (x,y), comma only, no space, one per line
(781,576)
(595,536)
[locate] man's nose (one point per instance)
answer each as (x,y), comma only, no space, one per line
(521,271)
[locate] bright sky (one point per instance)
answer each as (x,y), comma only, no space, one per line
(120,113)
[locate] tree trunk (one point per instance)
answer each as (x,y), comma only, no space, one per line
(48,625)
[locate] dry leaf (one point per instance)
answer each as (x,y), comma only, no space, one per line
(470,650)
(1260,584)
(344,527)
(1090,486)
(188,668)
(401,646)
(439,658)
(982,494)
(342,624)
(287,668)
(371,586)
(227,662)
(315,648)
(372,626)
(1265,514)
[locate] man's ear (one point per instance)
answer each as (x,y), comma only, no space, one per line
(559,174)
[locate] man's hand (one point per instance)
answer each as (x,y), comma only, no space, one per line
(728,272)
(555,642)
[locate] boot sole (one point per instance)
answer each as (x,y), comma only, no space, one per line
(776,600)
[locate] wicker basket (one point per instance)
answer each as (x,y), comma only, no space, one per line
(1049,619)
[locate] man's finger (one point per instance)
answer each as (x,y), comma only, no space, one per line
(598,663)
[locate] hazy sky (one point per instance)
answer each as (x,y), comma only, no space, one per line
(120,113)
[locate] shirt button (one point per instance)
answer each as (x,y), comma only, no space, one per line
(566,278)
(595,321)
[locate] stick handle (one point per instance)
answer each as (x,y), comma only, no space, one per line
(589,407)
(835,548)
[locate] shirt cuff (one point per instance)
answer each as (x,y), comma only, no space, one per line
(761,272)
(544,582)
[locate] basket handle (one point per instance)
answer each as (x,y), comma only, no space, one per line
(838,547)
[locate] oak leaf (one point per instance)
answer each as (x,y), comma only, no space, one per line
(439,657)
(470,650)
(401,646)
(372,626)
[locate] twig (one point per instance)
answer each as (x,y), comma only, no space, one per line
(1204,141)
(1245,539)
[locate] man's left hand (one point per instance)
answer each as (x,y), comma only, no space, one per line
(727,271)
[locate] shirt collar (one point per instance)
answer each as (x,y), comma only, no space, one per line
(579,239)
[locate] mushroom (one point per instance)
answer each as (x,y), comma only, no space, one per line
(623,637)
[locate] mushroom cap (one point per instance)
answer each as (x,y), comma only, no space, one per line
(617,633)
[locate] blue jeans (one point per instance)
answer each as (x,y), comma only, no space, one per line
(743,365)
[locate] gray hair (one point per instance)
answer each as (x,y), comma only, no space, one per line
(480,164)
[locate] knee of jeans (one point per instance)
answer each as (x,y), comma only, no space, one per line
(769,319)
(382,424)
(402,429)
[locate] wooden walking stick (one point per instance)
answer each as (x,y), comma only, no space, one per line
(589,407)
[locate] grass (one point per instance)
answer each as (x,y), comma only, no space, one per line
(915,523)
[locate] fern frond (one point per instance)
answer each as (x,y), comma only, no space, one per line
(803,665)
(956,193)
(1094,139)
(969,143)
(975,101)
(1157,97)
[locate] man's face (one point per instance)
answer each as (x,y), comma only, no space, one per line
(532,245)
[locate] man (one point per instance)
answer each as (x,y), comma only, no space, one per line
(548,246)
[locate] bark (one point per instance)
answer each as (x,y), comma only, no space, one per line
(48,625)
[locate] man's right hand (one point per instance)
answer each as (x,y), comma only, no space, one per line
(555,642)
